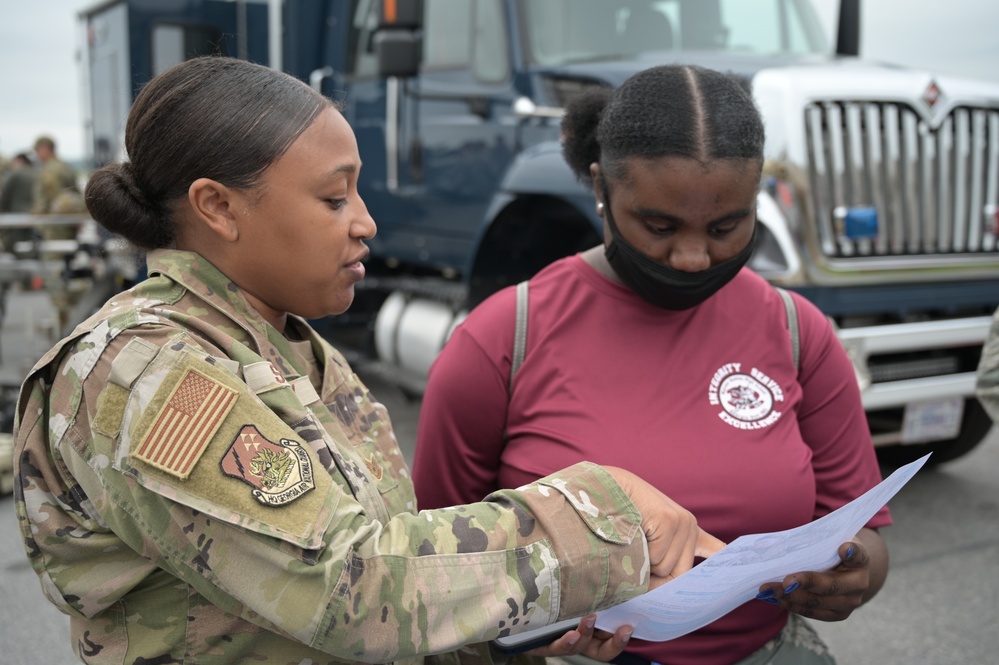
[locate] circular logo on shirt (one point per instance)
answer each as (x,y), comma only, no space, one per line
(747,399)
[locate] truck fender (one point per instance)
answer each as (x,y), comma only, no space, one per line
(541,169)
(540,213)
(777,257)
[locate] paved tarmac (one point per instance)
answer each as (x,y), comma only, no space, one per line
(940,605)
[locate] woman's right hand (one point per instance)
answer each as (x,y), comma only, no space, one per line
(671,531)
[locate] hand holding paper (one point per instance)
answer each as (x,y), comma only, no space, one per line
(833,595)
(671,530)
(733,575)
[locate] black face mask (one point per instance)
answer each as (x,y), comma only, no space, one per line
(662,285)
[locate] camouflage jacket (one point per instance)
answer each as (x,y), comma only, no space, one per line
(988,371)
(187,494)
(54,177)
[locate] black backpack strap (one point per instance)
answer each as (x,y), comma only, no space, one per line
(792,325)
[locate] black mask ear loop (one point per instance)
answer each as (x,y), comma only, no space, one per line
(610,248)
(613,250)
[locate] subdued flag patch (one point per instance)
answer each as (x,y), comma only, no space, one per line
(278,472)
(182,430)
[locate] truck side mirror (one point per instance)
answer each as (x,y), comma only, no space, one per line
(848,28)
(398,40)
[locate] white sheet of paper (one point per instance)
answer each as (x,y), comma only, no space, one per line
(733,576)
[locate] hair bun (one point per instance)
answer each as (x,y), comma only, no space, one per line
(127,180)
(118,203)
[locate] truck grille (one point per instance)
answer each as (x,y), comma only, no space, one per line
(935,190)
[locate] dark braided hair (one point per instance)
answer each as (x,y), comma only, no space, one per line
(667,111)
(210,117)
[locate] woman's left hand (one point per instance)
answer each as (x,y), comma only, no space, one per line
(587,640)
(833,595)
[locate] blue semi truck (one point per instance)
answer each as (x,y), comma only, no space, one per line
(880,200)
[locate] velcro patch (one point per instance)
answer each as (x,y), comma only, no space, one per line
(304,390)
(110,410)
(131,362)
(263,376)
(278,472)
(184,427)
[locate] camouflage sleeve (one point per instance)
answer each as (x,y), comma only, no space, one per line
(47,186)
(987,388)
(54,178)
(246,513)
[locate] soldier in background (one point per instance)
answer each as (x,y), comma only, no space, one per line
(54,178)
(57,192)
(17,195)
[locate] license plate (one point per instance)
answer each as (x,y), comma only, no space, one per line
(935,420)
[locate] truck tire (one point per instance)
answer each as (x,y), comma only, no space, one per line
(975,426)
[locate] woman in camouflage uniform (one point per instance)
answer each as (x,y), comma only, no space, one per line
(200,478)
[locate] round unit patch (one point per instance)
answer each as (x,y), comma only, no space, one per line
(747,399)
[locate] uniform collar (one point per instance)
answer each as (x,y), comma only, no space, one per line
(201,278)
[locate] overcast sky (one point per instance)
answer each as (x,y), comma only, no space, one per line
(40,88)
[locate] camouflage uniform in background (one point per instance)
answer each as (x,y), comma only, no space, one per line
(988,371)
(17,191)
(57,193)
(17,194)
(194,487)
(55,177)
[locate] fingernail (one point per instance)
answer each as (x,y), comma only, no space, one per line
(590,622)
(791,588)
(573,637)
(772,601)
(765,595)
(627,636)
(849,552)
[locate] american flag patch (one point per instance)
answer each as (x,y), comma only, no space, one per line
(186,424)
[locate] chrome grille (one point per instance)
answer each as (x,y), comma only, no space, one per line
(936,190)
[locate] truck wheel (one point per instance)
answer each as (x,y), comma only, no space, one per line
(975,426)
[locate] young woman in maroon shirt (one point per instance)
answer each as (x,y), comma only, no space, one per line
(657,351)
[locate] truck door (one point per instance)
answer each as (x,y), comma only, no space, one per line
(131,41)
(435,146)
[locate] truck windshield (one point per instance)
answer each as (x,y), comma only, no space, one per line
(567,31)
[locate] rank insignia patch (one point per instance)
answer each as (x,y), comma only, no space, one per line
(278,472)
(185,425)
(373,466)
